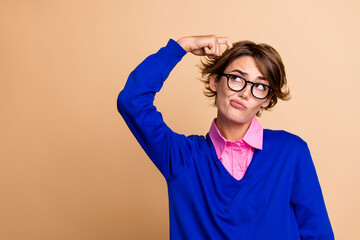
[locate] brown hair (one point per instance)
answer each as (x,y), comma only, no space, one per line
(267,60)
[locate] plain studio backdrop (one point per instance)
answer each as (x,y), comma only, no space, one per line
(69,166)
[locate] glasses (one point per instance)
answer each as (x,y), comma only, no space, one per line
(238,83)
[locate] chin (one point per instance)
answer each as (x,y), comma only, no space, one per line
(235,116)
(240,119)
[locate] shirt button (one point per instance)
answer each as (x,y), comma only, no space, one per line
(237,167)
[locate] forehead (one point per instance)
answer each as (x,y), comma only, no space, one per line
(245,66)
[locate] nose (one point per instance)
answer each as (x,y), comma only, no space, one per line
(246,92)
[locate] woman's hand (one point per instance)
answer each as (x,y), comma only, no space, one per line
(204,45)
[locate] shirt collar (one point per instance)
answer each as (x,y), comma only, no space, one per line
(253,136)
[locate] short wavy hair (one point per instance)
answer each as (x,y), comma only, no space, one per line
(267,60)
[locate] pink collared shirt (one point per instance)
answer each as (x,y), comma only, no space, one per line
(237,155)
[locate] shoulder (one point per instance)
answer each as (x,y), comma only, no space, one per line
(196,139)
(198,143)
(283,138)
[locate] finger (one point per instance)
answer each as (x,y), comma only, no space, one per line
(218,48)
(208,51)
(225,40)
(213,47)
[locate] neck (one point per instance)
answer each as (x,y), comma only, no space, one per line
(232,131)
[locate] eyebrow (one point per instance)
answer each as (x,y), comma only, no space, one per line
(246,74)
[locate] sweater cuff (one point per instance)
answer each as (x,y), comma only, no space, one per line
(172,49)
(171,54)
(173,45)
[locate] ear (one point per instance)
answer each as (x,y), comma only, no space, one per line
(213,83)
(267,101)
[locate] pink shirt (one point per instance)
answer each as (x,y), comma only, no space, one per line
(237,155)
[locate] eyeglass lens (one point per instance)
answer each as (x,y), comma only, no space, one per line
(237,83)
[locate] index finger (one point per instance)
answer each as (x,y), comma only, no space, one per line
(225,40)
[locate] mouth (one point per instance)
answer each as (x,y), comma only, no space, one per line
(237,104)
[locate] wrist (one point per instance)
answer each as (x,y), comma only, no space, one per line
(183,42)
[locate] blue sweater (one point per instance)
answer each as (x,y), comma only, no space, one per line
(278,198)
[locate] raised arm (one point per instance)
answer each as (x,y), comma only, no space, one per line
(135,101)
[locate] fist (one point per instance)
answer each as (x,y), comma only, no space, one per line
(205,45)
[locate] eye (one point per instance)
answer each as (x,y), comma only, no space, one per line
(260,87)
(235,78)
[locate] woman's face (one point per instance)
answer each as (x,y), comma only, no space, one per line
(238,107)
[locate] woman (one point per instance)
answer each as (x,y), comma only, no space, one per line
(239,181)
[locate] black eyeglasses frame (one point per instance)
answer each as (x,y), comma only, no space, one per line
(246,82)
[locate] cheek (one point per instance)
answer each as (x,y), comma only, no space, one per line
(266,103)
(257,105)
(254,105)
(222,98)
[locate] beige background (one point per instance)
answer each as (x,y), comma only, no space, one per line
(70,169)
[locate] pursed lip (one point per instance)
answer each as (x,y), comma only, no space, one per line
(238,104)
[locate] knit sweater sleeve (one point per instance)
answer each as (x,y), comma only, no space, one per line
(135,104)
(307,199)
